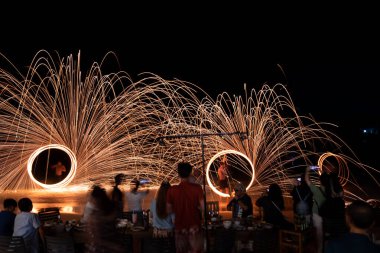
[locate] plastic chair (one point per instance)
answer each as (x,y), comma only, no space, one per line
(12,244)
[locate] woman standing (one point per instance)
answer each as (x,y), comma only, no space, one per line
(163,223)
(273,204)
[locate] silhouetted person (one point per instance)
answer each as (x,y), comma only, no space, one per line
(333,209)
(272,203)
(336,187)
(360,217)
(302,202)
(7,217)
(117,196)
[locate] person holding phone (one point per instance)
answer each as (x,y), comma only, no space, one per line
(318,200)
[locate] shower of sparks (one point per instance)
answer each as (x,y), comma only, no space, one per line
(111,124)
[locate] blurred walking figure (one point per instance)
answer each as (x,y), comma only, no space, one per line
(101,225)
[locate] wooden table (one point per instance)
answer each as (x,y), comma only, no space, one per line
(137,238)
(230,240)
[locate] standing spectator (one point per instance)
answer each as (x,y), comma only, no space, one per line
(360,217)
(101,225)
(186,202)
(7,217)
(302,202)
(336,187)
(117,196)
(333,209)
(28,225)
(135,197)
(163,223)
(319,197)
(272,203)
(241,204)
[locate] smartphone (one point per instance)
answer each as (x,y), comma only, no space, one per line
(313,167)
(144,181)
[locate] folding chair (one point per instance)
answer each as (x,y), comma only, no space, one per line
(12,244)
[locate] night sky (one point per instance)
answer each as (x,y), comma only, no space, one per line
(326,78)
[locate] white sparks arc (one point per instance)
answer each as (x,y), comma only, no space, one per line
(109,124)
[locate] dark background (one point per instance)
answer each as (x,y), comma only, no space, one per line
(328,60)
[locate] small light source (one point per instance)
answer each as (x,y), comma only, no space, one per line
(365,131)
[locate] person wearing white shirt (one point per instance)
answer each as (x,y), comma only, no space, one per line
(28,226)
(135,197)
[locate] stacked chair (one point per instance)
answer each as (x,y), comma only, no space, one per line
(12,244)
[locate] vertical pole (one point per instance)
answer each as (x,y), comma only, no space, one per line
(47,165)
(204,193)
